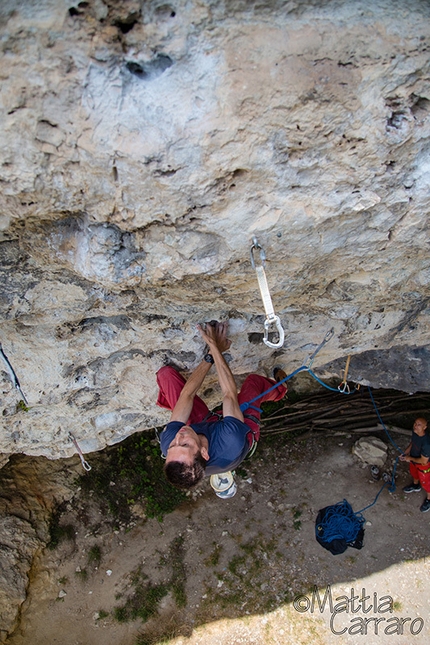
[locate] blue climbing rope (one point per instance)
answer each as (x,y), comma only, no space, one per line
(382,423)
(340,522)
(304,368)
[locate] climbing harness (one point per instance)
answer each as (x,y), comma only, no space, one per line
(85,465)
(11,372)
(271,317)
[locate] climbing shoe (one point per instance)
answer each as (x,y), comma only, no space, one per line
(412,488)
(425,506)
(278,374)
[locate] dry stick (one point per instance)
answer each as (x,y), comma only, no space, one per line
(309,411)
(310,414)
(357,411)
(333,422)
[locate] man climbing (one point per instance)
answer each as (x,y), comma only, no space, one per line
(417,454)
(197,442)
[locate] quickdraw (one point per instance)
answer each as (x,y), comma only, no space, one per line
(85,465)
(271,317)
(344,387)
(329,335)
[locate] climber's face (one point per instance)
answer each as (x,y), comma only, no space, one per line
(185,446)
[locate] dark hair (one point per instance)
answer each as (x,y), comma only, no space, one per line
(185,475)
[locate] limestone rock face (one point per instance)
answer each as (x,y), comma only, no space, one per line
(30,490)
(144,144)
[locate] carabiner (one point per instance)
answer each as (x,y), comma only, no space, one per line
(274,320)
(255,245)
(344,388)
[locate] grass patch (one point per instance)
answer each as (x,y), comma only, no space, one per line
(235,563)
(22,406)
(241,472)
(59,532)
(94,555)
(82,574)
(142,604)
(179,577)
(213,558)
(145,598)
(129,473)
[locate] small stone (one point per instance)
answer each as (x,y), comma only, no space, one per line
(62,593)
(109,572)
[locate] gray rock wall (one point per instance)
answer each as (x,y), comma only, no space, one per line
(144,145)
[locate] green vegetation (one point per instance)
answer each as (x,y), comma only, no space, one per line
(94,555)
(235,564)
(102,614)
(82,574)
(297,524)
(144,600)
(57,531)
(177,583)
(129,473)
(213,558)
(142,604)
(241,472)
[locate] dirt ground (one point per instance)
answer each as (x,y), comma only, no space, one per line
(231,571)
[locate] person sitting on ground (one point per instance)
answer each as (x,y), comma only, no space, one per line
(197,442)
(418,456)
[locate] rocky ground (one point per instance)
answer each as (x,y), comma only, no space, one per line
(228,571)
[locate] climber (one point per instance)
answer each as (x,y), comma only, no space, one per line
(197,442)
(418,455)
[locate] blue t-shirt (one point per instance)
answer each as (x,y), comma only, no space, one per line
(228,444)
